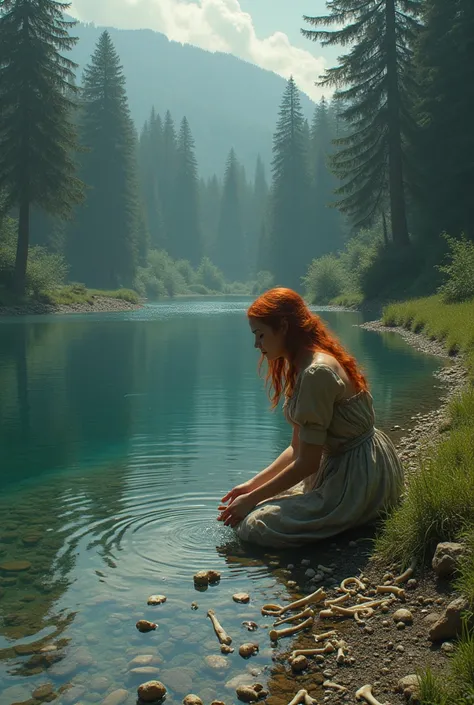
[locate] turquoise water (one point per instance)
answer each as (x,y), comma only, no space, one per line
(119,433)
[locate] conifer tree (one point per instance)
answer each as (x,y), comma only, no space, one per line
(258,214)
(167,175)
(103,245)
(291,236)
(229,252)
(210,203)
(37,136)
(374,81)
(150,156)
(186,243)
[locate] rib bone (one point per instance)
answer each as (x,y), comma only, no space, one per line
(275,635)
(359,584)
(308,612)
(328,649)
(366,693)
(397,591)
(221,634)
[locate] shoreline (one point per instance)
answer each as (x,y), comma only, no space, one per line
(101,304)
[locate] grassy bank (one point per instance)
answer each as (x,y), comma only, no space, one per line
(67,295)
(439,505)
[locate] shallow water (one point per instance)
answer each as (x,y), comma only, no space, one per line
(118,435)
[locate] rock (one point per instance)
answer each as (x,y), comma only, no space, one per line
(251,626)
(450,624)
(15,566)
(234,682)
(194,606)
(73,695)
(310,573)
(409,686)
(227,649)
(99,684)
(299,663)
(43,691)
(145,672)
(201,578)
(247,650)
(241,597)
(447,647)
(306,562)
(180,679)
(218,663)
(250,693)
(446,558)
(431,618)
(144,660)
(143,625)
(151,691)
(404,616)
(192,699)
(116,698)
(156,600)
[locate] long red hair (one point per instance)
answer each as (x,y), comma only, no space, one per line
(305,331)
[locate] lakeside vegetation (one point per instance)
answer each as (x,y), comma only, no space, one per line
(439,501)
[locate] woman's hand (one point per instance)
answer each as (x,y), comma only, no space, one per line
(237,491)
(236,510)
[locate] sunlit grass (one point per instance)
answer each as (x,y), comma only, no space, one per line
(78,294)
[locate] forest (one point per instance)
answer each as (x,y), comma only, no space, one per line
(369,200)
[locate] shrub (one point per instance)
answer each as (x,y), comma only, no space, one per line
(187,272)
(263,282)
(326,279)
(147,284)
(459,271)
(199,289)
(210,276)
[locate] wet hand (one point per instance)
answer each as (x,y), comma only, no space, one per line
(236,510)
(235,492)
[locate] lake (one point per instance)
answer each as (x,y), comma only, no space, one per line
(119,433)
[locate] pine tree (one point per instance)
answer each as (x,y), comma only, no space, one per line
(210,203)
(187,243)
(291,235)
(150,156)
(375,82)
(445,144)
(37,136)
(258,215)
(229,252)
(167,176)
(103,246)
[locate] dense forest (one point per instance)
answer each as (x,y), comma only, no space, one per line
(364,190)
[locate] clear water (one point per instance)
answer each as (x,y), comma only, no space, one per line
(118,435)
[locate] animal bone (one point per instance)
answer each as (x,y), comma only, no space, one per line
(334,686)
(326,635)
(326,614)
(275,635)
(338,600)
(366,693)
(221,634)
(328,649)
(251,626)
(352,612)
(308,612)
(360,585)
(361,607)
(341,647)
(407,574)
(363,598)
(299,697)
(272,610)
(397,591)
(315,597)
(308,700)
(366,614)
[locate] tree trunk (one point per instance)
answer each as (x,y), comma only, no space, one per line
(400,234)
(19,279)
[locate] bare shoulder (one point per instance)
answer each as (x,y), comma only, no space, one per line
(322,358)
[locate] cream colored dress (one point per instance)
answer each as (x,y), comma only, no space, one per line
(359,477)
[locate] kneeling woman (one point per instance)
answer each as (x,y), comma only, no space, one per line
(339,471)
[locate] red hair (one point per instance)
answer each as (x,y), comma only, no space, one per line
(305,331)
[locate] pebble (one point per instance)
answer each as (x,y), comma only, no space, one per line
(447,647)
(310,573)
(290,566)
(43,691)
(404,616)
(218,663)
(143,625)
(116,698)
(242,597)
(15,566)
(400,648)
(156,600)
(306,562)
(151,691)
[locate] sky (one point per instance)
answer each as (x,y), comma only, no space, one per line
(264,32)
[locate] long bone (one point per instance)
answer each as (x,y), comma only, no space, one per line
(366,693)
(391,589)
(308,700)
(308,612)
(328,649)
(347,612)
(323,637)
(338,600)
(277,611)
(335,686)
(279,634)
(406,575)
(341,652)
(221,634)
(299,698)
(360,585)
(363,606)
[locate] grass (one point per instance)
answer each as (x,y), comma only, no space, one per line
(439,504)
(78,294)
(354,300)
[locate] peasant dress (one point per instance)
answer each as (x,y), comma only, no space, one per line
(359,478)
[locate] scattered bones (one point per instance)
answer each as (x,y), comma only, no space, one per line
(221,634)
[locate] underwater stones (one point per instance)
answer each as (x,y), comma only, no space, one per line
(100,684)
(241,597)
(156,600)
(250,693)
(43,691)
(247,650)
(180,680)
(31,539)
(143,625)
(151,691)
(145,672)
(14,566)
(144,660)
(250,626)
(116,698)
(217,663)
(192,699)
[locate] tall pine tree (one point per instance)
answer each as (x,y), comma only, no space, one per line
(258,214)
(37,136)
(291,233)
(210,191)
(150,156)
(187,243)
(375,82)
(229,251)
(103,245)
(167,176)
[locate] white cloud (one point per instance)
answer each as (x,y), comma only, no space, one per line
(215,25)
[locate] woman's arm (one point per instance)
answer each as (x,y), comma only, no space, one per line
(288,456)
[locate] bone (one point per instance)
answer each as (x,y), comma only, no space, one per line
(272,610)
(338,600)
(391,589)
(308,700)
(299,697)
(279,634)
(352,612)
(365,693)
(359,584)
(315,597)
(221,634)
(226,649)
(335,686)
(363,606)
(326,635)
(406,575)
(328,649)
(366,614)
(326,614)
(341,652)
(308,612)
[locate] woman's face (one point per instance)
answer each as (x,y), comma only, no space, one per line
(271,343)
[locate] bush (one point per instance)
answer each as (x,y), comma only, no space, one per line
(210,276)
(148,285)
(187,272)
(263,282)
(199,289)
(326,279)
(459,272)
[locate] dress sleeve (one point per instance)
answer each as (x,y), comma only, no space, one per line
(320,387)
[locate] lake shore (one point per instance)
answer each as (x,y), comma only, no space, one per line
(100,304)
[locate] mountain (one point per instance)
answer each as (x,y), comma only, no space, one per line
(228,102)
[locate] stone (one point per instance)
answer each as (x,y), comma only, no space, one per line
(446,558)
(151,691)
(299,663)
(449,625)
(73,695)
(145,672)
(248,649)
(218,663)
(99,684)
(242,597)
(116,698)
(179,680)
(143,660)
(15,566)
(306,562)
(143,625)
(310,573)
(409,686)
(447,647)
(156,600)
(192,699)
(31,539)
(43,691)
(404,616)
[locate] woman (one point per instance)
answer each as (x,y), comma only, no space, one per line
(341,470)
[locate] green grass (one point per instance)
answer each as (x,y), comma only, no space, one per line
(354,300)
(78,294)
(439,504)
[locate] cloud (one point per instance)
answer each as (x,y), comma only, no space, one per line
(215,25)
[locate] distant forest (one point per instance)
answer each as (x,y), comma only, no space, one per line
(355,205)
